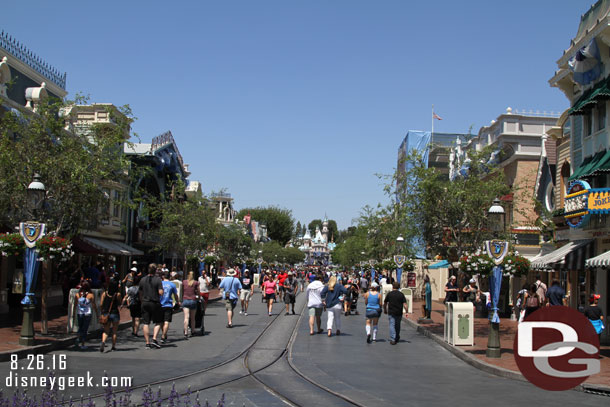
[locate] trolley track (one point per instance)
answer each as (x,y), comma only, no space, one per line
(245,366)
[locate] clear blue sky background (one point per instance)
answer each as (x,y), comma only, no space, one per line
(300,103)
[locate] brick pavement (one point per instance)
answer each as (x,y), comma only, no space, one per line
(10,327)
(508,330)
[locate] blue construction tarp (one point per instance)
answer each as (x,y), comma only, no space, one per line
(439,265)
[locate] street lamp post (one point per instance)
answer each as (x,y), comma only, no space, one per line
(399,259)
(497,249)
(31,231)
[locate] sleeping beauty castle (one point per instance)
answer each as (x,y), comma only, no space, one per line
(317,249)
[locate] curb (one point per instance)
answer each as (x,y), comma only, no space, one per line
(495,370)
(63,343)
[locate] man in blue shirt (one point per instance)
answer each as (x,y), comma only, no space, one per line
(556,294)
(231,289)
(167,305)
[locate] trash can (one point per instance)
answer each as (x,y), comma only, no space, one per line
(459,323)
(409,295)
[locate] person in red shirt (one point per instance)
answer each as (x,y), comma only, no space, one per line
(282,276)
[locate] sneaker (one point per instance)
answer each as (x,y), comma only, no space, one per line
(287,313)
(241,312)
(269,314)
(368,338)
(102,347)
(134,334)
(83,347)
(112,349)
(148,346)
(293,313)
(155,344)
(229,326)
(163,340)
(245,314)
(392,342)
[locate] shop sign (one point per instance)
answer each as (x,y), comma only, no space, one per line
(599,200)
(577,203)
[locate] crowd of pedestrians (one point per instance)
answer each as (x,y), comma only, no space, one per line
(153,298)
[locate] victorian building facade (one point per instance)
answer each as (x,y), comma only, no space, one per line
(582,141)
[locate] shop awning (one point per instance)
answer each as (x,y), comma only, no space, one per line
(107,246)
(598,160)
(603,165)
(588,166)
(589,99)
(579,170)
(440,264)
(571,256)
(599,261)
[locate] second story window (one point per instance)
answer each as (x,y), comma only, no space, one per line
(588,124)
(601,116)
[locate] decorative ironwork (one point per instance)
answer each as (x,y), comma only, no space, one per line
(22,53)
(164,140)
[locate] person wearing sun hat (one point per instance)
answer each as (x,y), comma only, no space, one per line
(451,290)
(231,288)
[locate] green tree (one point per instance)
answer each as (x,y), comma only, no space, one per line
(298,230)
(186,225)
(348,252)
(279,221)
(73,165)
(233,245)
(333,231)
(449,216)
(293,255)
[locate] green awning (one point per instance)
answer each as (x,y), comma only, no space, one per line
(587,169)
(603,165)
(601,91)
(578,170)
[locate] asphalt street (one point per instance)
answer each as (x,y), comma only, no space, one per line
(416,372)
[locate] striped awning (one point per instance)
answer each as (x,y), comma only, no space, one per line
(599,261)
(571,256)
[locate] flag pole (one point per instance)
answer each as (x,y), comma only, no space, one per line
(432,133)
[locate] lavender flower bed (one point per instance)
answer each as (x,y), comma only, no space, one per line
(150,398)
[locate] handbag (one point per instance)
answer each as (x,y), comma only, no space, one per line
(105,317)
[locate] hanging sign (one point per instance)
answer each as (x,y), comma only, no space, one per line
(31,232)
(411,280)
(259,260)
(201,256)
(576,207)
(599,200)
(497,250)
(400,259)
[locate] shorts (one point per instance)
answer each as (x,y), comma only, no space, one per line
(270,296)
(289,298)
(190,304)
(245,295)
(167,314)
(315,312)
(205,297)
(151,311)
(113,317)
(230,304)
(371,313)
(135,311)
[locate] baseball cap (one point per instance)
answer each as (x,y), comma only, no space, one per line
(472,280)
(134,269)
(374,284)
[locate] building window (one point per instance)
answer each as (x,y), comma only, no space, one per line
(588,125)
(116,206)
(601,116)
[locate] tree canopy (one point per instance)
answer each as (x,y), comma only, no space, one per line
(74,165)
(279,221)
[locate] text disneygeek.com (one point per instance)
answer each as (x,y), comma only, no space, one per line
(28,373)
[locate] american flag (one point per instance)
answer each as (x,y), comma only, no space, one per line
(435,116)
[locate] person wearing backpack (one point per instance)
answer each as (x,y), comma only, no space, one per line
(532,300)
(132,301)
(231,288)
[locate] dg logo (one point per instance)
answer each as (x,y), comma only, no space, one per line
(556,348)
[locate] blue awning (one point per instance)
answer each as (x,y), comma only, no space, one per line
(439,265)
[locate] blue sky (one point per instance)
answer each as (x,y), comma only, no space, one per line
(300,103)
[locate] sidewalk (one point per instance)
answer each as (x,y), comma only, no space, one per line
(57,336)
(506,365)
